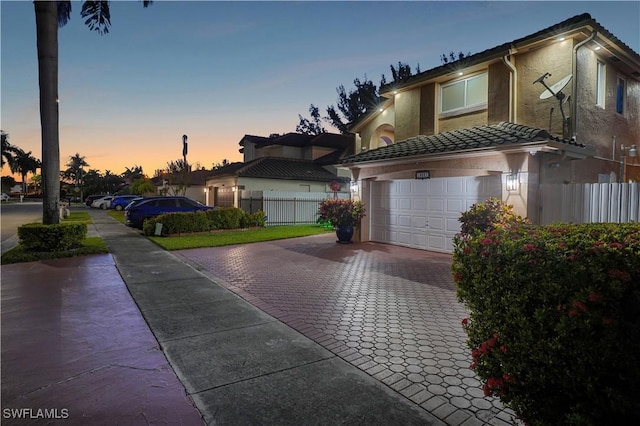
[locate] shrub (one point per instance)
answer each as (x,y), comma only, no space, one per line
(554,329)
(253,220)
(225,218)
(491,214)
(177,223)
(341,212)
(58,237)
(190,222)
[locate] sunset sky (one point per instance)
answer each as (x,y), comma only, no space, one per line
(216,71)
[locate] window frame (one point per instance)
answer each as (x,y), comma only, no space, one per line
(620,102)
(465,108)
(601,84)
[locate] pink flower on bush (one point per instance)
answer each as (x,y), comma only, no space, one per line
(486,241)
(594,297)
(529,247)
(616,245)
(623,276)
(580,306)
(465,321)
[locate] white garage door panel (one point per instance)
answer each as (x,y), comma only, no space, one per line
(424,213)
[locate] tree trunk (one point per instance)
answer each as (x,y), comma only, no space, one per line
(47,40)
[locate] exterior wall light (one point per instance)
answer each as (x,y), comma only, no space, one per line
(513,183)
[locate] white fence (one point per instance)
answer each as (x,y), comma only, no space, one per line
(285,208)
(590,202)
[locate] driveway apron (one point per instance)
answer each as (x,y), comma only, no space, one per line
(390,311)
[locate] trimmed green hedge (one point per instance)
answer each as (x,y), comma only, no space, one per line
(554,329)
(59,237)
(210,220)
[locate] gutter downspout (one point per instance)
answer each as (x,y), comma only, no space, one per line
(574,85)
(513,93)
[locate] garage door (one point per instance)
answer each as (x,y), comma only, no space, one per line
(424,213)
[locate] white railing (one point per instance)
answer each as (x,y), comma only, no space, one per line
(285,208)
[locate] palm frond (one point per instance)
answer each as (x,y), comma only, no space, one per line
(98,16)
(64,12)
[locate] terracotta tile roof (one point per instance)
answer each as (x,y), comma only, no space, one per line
(459,140)
(329,140)
(196,177)
(277,168)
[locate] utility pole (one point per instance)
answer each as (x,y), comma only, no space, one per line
(184,149)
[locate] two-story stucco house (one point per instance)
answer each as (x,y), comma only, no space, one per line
(291,163)
(556,107)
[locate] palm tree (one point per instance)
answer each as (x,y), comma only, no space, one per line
(50,15)
(24,163)
(8,150)
(75,169)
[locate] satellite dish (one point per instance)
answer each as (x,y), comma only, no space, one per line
(556,88)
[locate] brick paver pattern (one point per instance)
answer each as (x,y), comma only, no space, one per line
(391,311)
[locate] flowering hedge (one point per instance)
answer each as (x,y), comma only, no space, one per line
(554,329)
(340,212)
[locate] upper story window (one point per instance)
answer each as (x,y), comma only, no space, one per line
(601,84)
(462,94)
(621,89)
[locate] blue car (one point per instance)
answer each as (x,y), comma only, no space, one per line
(136,212)
(121,201)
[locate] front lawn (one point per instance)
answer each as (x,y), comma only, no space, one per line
(93,245)
(243,236)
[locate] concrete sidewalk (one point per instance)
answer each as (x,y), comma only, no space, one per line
(76,351)
(95,356)
(240,365)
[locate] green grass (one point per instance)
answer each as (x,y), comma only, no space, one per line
(78,217)
(117,215)
(94,245)
(224,238)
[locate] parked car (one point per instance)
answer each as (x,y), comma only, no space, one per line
(4,197)
(119,202)
(102,203)
(136,212)
(91,198)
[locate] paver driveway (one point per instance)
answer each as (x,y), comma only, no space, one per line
(391,311)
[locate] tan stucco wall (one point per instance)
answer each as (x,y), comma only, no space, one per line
(533,111)
(407,114)
(597,126)
(462,121)
(428,102)
(387,117)
(255,184)
(498,93)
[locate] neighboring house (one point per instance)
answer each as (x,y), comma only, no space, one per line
(191,186)
(483,127)
(292,163)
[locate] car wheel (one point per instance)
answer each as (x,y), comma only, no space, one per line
(118,207)
(103,206)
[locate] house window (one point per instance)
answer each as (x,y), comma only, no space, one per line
(601,85)
(620,94)
(468,93)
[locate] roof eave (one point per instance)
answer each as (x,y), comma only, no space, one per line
(572,151)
